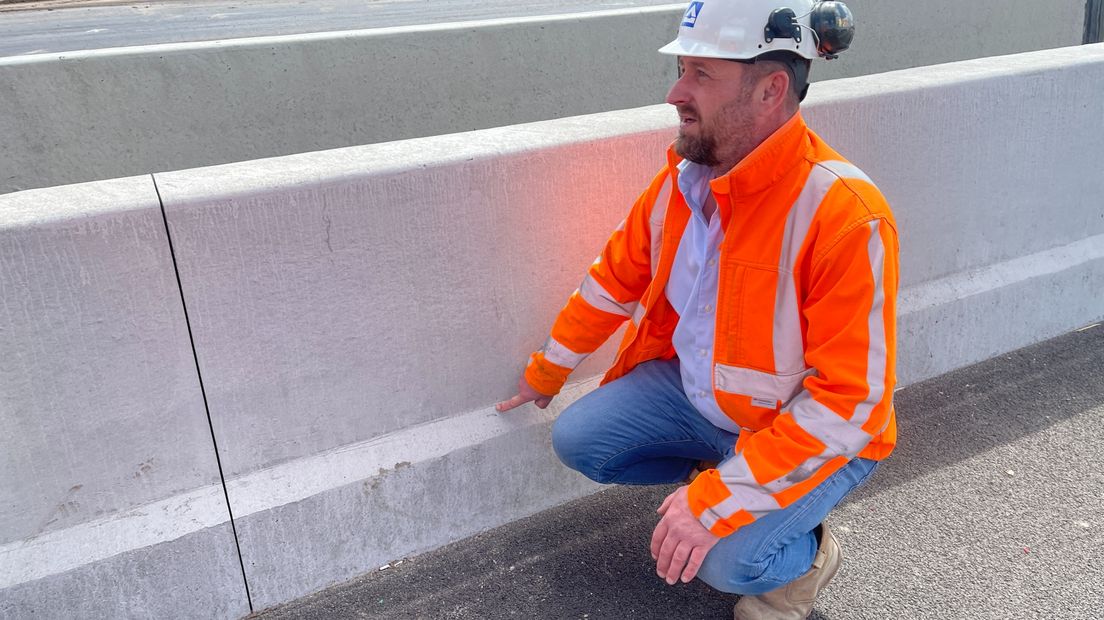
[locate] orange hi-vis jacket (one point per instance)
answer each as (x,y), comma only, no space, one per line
(805,337)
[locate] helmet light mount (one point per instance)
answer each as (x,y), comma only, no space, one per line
(782,24)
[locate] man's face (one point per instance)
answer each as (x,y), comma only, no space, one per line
(714,101)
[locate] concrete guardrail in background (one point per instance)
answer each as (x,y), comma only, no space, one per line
(83,116)
(356,312)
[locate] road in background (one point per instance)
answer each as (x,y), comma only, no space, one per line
(990,509)
(52,27)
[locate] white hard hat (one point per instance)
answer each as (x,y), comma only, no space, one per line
(744,29)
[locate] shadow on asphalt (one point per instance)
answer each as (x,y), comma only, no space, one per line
(589,559)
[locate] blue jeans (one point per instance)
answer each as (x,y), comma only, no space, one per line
(641,429)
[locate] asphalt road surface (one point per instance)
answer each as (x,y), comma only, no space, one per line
(992,507)
(64,26)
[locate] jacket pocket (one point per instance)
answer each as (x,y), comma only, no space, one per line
(752,398)
(747,296)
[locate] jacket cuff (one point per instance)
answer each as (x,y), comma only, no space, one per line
(544,376)
(706,491)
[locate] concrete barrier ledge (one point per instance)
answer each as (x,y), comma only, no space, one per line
(297,480)
(197,575)
(93,541)
(952,322)
(52,574)
(403,494)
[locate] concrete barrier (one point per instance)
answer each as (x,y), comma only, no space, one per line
(83,116)
(105,433)
(356,312)
(385,290)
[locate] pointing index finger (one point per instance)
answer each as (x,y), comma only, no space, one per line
(510,404)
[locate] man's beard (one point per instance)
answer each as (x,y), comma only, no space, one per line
(711,144)
(700,150)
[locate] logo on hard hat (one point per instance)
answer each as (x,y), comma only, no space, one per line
(691,16)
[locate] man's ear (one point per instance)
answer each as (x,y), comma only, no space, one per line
(776,88)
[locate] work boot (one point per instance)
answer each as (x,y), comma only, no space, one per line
(794,601)
(699,468)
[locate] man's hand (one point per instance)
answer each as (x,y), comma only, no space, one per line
(525,394)
(680,541)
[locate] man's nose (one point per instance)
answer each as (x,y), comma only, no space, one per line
(678,94)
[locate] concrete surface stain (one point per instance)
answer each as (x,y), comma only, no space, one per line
(67,507)
(329,226)
(373,483)
(144,468)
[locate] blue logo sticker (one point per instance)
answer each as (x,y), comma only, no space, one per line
(691,16)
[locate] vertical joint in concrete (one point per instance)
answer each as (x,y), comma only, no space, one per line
(203,392)
(1094,21)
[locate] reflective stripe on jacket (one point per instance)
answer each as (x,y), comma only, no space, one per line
(805,342)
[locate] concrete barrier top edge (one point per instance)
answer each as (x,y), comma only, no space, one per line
(227,181)
(963,71)
(314,37)
(80,201)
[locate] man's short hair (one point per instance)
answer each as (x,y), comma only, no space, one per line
(795,65)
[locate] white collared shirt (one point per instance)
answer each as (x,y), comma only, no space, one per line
(692,291)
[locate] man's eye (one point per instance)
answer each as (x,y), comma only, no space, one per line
(702,74)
